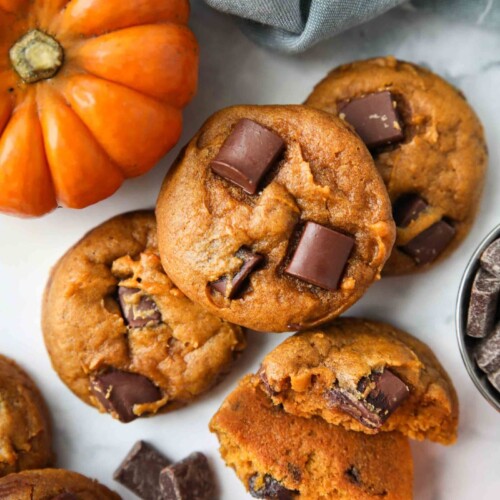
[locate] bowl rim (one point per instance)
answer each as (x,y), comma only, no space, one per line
(477,376)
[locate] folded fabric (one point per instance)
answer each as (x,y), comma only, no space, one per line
(296,25)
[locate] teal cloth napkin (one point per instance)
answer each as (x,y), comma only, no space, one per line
(296,25)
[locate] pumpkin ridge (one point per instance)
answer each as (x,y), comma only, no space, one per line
(114,174)
(169,45)
(36,197)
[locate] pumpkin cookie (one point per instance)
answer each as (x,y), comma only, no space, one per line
(274,217)
(427,143)
(54,484)
(121,335)
(279,455)
(25,433)
(366,376)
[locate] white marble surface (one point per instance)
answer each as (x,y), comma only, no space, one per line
(234,71)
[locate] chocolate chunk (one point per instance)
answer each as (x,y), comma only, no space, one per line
(483,304)
(429,244)
(230,288)
(374,117)
(65,496)
(407,208)
(269,488)
(139,310)
(487,353)
(494,379)
(377,397)
(120,391)
(320,256)
(490,259)
(247,155)
(140,471)
(353,475)
(189,479)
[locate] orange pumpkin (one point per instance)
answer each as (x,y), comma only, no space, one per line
(91,93)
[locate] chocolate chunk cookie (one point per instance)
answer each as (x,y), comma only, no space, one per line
(366,376)
(427,143)
(274,217)
(25,433)
(121,335)
(282,456)
(52,484)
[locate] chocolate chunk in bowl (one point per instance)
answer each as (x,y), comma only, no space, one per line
(487,384)
(483,304)
(488,352)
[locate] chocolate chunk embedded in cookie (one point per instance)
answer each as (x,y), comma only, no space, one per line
(300,248)
(426,142)
(53,484)
(278,455)
(25,432)
(121,335)
(365,376)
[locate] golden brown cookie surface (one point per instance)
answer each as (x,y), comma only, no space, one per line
(121,335)
(335,372)
(275,453)
(324,176)
(53,484)
(25,432)
(441,159)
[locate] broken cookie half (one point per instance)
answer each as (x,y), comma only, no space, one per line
(365,376)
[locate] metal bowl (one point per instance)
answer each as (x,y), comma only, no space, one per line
(466,343)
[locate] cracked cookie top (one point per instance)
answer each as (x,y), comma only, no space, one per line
(25,431)
(427,143)
(274,217)
(121,335)
(366,376)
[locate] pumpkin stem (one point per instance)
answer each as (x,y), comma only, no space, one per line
(36,56)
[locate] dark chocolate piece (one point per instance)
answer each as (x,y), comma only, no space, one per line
(430,243)
(320,256)
(189,479)
(407,208)
(139,310)
(487,353)
(65,496)
(270,488)
(120,391)
(376,398)
(490,259)
(353,475)
(483,304)
(140,471)
(374,117)
(494,379)
(247,155)
(231,288)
